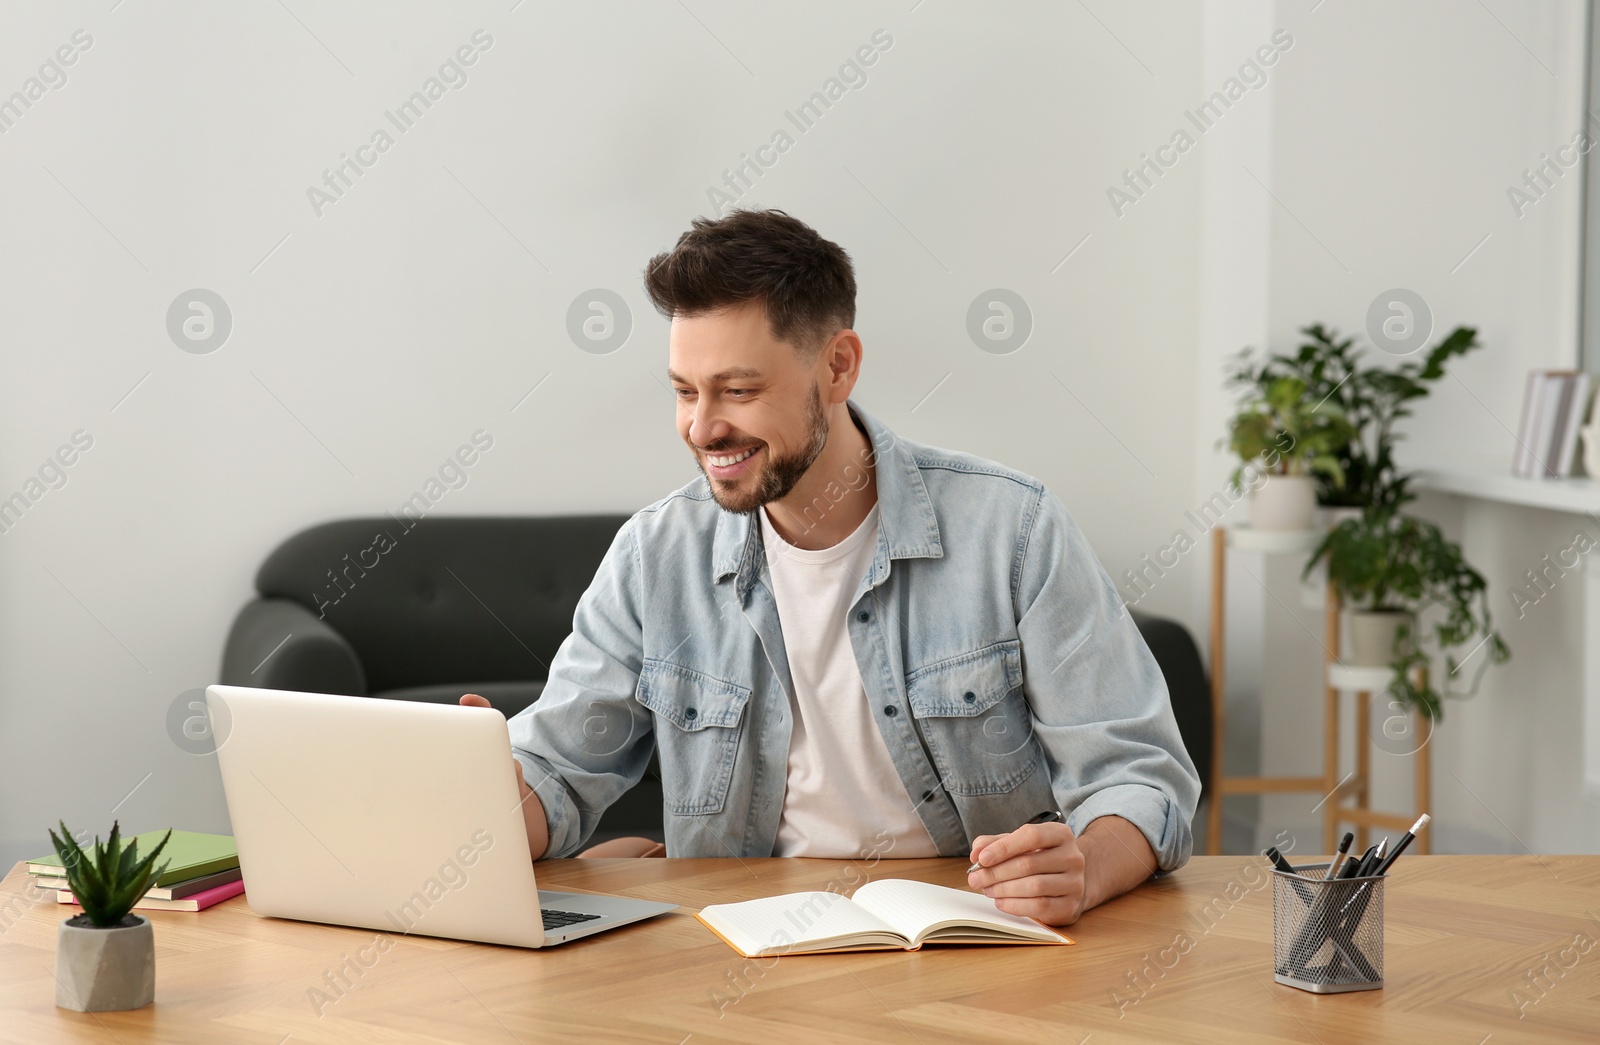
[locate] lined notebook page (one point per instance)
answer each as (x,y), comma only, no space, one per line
(780,921)
(911,907)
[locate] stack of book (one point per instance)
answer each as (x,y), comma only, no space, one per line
(202,870)
(1553,407)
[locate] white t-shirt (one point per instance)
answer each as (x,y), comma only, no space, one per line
(844,797)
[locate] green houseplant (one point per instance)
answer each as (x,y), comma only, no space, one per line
(1391,568)
(1372,399)
(105,957)
(1279,428)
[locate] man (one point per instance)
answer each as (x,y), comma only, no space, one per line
(841,642)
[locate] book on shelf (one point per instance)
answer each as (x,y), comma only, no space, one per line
(189,854)
(1555,404)
(1522,460)
(175,891)
(194,902)
(891,914)
(1583,384)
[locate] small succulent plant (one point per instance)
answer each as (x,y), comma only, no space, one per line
(109,879)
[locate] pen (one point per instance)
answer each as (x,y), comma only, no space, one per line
(1278,861)
(1324,922)
(1315,926)
(1352,869)
(1370,868)
(1344,847)
(1048,817)
(1303,891)
(1351,914)
(1405,840)
(1355,908)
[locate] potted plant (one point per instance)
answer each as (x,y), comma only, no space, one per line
(105,957)
(1293,438)
(1391,568)
(1371,399)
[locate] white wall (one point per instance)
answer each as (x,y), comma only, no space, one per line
(432,297)
(1235,272)
(1396,134)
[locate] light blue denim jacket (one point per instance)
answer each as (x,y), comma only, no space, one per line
(1005,674)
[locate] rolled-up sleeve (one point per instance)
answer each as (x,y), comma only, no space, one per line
(1100,704)
(587,740)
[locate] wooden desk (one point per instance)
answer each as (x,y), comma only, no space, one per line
(1463,933)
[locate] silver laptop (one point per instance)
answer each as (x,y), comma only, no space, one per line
(393,815)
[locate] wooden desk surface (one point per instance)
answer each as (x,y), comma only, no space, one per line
(1496,948)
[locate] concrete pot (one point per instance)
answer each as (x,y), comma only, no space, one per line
(1372,636)
(105,970)
(1284,502)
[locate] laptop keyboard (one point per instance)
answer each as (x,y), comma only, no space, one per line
(562,919)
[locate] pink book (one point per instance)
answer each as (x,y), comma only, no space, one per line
(198,902)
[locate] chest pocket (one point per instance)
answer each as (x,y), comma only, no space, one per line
(699,720)
(974,717)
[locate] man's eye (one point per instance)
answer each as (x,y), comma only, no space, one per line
(682,392)
(738,391)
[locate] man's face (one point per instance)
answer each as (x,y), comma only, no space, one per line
(747,400)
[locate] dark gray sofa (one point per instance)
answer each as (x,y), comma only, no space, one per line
(431,609)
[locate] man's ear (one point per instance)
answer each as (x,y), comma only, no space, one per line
(842,354)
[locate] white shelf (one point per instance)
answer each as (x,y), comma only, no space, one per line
(1352,679)
(1581,495)
(1275,542)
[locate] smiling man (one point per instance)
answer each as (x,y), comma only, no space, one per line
(843,643)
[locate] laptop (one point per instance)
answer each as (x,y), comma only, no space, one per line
(393,815)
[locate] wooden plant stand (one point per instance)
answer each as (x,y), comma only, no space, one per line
(1338,679)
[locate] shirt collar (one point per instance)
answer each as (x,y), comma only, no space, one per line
(907,525)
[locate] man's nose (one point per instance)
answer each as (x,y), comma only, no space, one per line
(706,427)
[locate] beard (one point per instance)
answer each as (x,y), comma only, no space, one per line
(780,474)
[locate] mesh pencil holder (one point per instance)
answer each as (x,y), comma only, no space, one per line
(1327,936)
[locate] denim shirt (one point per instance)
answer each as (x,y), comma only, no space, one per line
(1005,674)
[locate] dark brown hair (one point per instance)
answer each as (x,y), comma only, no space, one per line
(806,283)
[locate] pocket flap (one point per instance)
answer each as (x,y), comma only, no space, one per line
(966,685)
(689,699)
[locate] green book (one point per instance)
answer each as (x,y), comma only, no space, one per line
(189,854)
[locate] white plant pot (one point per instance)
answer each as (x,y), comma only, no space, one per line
(1372,636)
(105,970)
(1284,502)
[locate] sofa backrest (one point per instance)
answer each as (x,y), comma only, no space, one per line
(442,599)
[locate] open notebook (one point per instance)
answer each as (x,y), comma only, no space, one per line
(886,915)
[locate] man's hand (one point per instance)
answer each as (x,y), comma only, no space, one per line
(1043,871)
(533,818)
(1036,871)
(473,700)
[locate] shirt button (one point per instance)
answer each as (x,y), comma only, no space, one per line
(863,616)
(690,712)
(891,710)
(928,796)
(970,697)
